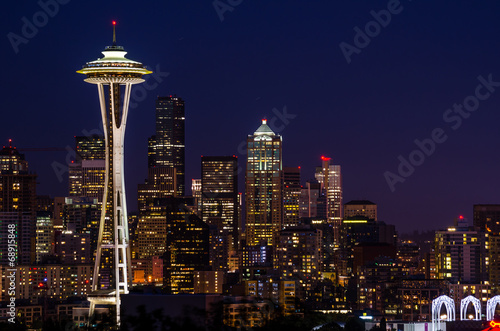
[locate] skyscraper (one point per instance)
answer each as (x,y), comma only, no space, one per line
(331,179)
(114,76)
(299,256)
(187,245)
(87,172)
(291,196)
(312,202)
(219,194)
(460,253)
(17,205)
(219,206)
(487,219)
(167,147)
(263,187)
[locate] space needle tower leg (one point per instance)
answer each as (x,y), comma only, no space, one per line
(114,76)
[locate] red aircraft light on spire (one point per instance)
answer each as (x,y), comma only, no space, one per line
(324,158)
(114,22)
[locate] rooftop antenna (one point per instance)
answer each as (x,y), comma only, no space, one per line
(114,33)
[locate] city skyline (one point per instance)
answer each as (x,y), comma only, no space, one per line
(408,76)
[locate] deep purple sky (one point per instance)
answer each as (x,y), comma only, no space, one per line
(275,54)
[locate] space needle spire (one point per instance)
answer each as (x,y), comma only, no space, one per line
(114,76)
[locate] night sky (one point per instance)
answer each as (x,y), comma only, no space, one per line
(267,55)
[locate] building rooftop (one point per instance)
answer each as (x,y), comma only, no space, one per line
(360,202)
(264,129)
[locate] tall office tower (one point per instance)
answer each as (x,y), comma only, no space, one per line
(299,256)
(331,179)
(44,235)
(219,196)
(167,147)
(357,209)
(17,205)
(187,245)
(114,76)
(312,201)
(151,231)
(291,196)
(494,260)
(487,219)
(263,187)
(81,215)
(460,253)
(87,172)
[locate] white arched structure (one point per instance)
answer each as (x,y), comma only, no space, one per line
(436,309)
(463,307)
(491,305)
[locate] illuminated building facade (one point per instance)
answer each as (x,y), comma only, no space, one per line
(44,235)
(151,232)
(299,256)
(263,187)
(359,234)
(460,253)
(312,201)
(377,285)
(114,76)
(87,172)
(17,205)
(409,256)
(291,196)
(331,179)
(219,199)
(360,209)
(208,282)
(54,281)
(280,292)
(81,215)
(187,247)
(487,219)
(73,248)
(196,192)
(161,183)
(167,147)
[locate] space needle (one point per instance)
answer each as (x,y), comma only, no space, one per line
(114,76)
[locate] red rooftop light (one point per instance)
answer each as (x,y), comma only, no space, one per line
(325,158)
(461,217)
(114,22)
